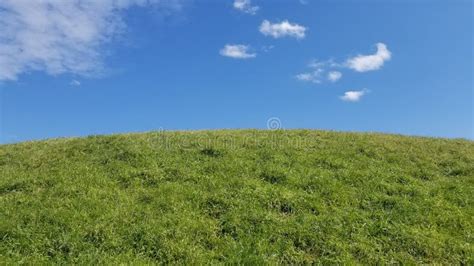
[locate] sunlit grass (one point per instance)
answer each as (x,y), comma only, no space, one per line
(244,196)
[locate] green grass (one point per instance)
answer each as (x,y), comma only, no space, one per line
(244,196)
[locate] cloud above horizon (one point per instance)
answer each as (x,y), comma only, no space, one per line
(314,76)
(319,72)
(237,51)
(282,29)
(364,63)
(246,6)
(334,76)
(60,36)
(353,96)
(360,63)
(75,82)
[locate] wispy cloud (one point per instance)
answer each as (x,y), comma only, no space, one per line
(314,76)
(334,76)
(364,63)
(246,6)
(282,29)
(238,51)
(354,96)
(75,82)
(360,63)
(267,48)
(60,36)
(318,70)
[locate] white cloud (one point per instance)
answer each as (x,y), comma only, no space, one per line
(313,76)
(353,96)
(58,36)
(238,51)
(363,63)
(267,48)
(305,76)
(334,76)
(330,70)
(75,82)
(246,6)
(318,72)
(323,64)
(283,29)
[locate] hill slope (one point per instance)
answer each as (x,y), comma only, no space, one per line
(238,197)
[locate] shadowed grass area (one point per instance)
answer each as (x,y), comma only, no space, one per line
(240,196)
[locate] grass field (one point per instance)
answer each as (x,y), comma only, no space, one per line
(243,196)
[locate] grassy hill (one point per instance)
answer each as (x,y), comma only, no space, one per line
(244,196)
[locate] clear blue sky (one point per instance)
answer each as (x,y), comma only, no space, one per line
(145,66)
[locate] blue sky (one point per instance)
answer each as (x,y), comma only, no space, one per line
(76,68)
